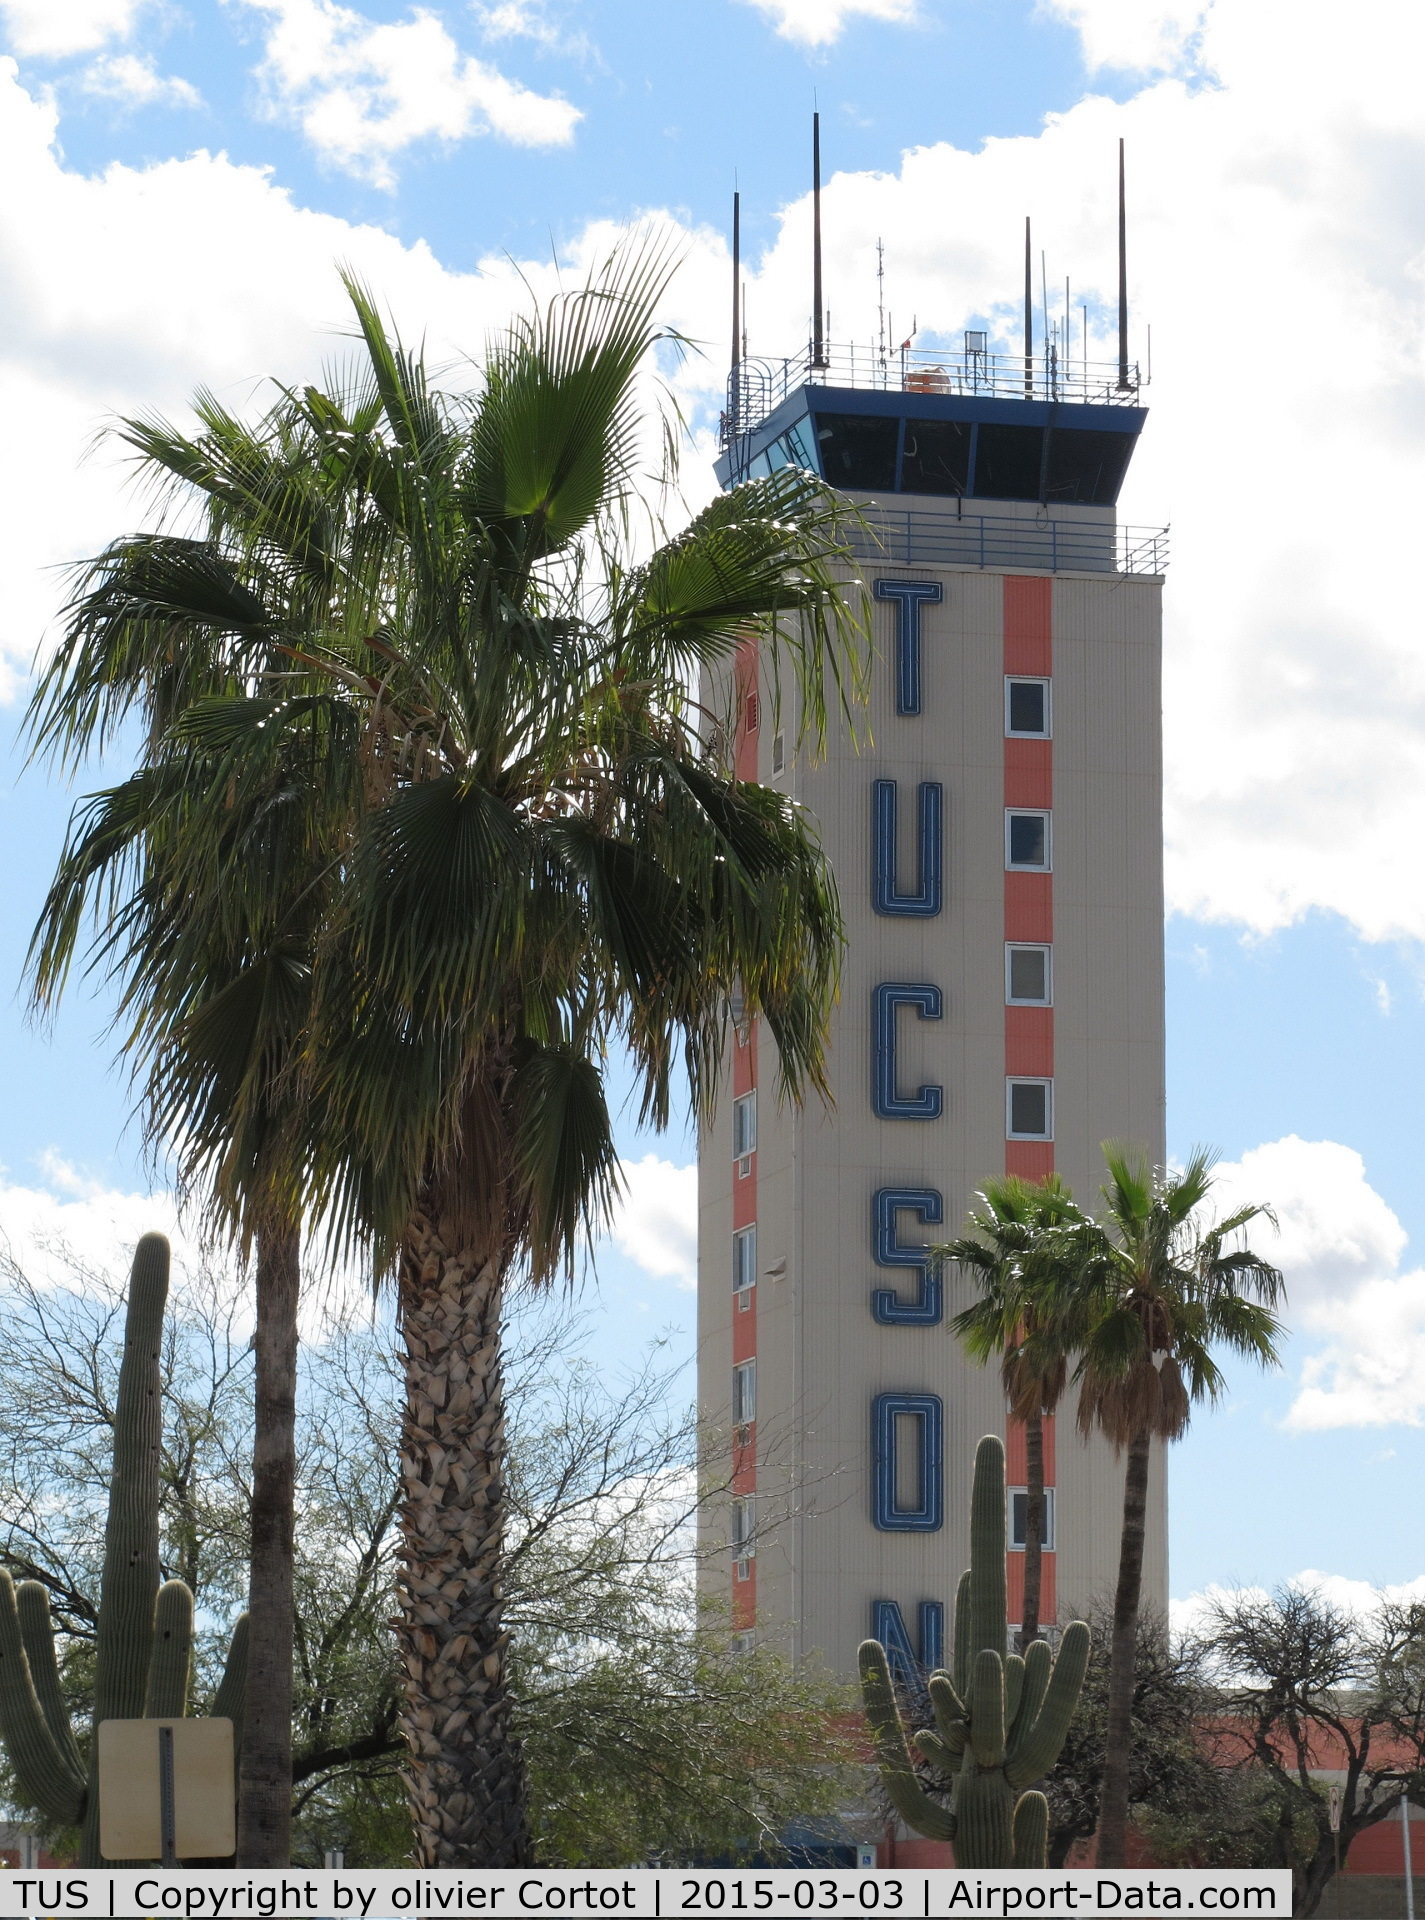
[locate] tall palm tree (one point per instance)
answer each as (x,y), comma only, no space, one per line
(1019,1321)
(539,850)
(208,882)
(1155,1290)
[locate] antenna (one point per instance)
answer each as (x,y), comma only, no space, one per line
(1028,315)
(1068,334)
(736,281)
(744,319)
(881,298)
(818,344)
(1044,290)
(1122,279)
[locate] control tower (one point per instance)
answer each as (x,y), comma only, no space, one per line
(997,843)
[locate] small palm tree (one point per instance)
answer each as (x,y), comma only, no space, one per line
(1153,1291)
(1018,1320)
(536,849)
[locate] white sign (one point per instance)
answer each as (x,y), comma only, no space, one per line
(394,1893)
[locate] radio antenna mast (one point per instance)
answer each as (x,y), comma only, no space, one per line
(1028,315)
(1122,279)
(818,340)
(736,280)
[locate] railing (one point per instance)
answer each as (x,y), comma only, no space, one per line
(756,387)
(913,537)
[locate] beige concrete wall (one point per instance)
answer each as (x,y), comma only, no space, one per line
(821,1356)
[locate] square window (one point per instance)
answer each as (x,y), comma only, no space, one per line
(744,1259)
(1030,1114)
(744,1125)
(743,1642)
(1019,1519)
(1028,980)
(1026,841)
(744,1393)
(1026,708)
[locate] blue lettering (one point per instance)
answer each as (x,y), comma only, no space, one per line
(908,596)
(924,1412)
(925,1309)
(886,897)
(886,1101)
(909,1668)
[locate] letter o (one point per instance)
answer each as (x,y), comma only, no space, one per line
(400,1896)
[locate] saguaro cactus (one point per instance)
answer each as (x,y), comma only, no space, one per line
(1000,1720)
(145,1631)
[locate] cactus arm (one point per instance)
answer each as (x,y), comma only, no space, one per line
(905,1792)
(1038,1665)
(1031,1831)
(229,1700)
(172,1657)
(988,1598)
(964,1636)
(950,1716)
(1013,1689)
(42,1767)
(37,1633)
(987,1709)
(1051,1725)
(934,1749)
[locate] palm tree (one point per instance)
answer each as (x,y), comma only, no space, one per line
(1154,1291)
(538,850)
(1018,1320)
(217,875)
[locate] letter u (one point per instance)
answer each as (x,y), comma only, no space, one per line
(886,897)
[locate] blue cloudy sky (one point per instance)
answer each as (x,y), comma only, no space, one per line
(183,175)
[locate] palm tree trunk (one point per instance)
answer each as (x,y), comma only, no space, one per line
(465,1774)
(1033,1528)
(265,1767)
(1123,1652)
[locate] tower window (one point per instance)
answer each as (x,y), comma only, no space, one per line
(1026,708)
(744,1393)
(1019,1519)
(1026,840)
(1008,461)
(1027,977)
(936,457)
(744,1259)
(858,450)
(1029,1108)
(744,1125)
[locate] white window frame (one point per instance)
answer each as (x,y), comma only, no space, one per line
(744,1642)
(779,752)
(744,1527)
(744,1265)
(1028,1080)
(1038,813)
(744,1125)
(1047,1543)
(744,1393)
(1029,680)
(1011,947)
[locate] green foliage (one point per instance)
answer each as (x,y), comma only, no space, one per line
(1000,1720)
(143,1631)
(642,1733)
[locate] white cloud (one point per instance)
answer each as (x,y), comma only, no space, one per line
(364,91)
(98,1225)
(657,1225)
(58,27)
(525,20)
(134,81)
(1356,1597)
(817,23)
(1139,36)
(1340,1248)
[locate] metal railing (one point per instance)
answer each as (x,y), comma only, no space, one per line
(913,537)
(756,387)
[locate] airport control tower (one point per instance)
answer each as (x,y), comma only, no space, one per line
(998,850)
